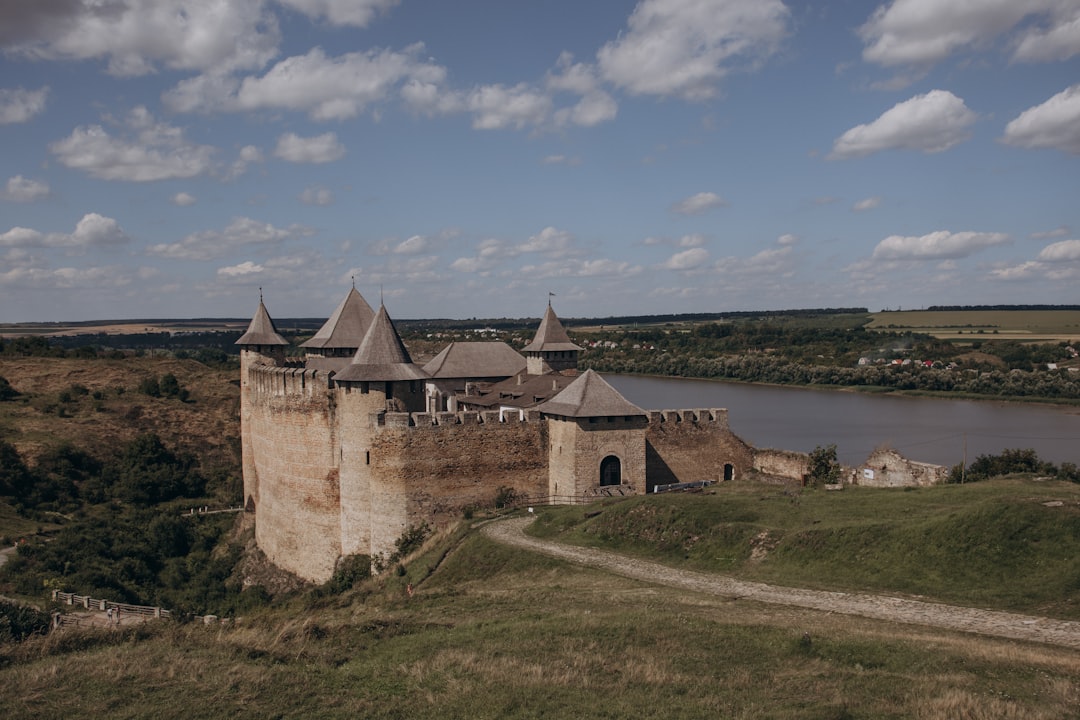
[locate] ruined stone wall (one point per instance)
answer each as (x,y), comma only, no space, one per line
(294,461)
(782,464)
(690,445)
(578,446)
(888,468)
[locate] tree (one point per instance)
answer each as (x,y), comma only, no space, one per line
(6,391)
(823,467)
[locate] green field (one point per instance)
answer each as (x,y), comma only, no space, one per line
(496,632)
(1024,325)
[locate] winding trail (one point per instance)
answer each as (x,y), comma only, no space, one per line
(881,607)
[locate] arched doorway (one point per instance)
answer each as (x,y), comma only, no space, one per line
(729,472)
(610,471)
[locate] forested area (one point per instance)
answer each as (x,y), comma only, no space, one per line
(837,352)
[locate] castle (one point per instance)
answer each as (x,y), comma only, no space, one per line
(350,446)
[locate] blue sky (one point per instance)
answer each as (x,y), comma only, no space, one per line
(167,158)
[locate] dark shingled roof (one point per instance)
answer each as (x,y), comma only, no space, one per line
(381,356)
(589,396)
(520,391)
(550,336)
(476,360)
(261,331)
(346,327)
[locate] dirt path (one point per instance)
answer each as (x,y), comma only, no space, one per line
(881,607)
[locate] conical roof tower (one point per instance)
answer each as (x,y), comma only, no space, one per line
(345,329)
(381,356)
(261,330)
(551,349)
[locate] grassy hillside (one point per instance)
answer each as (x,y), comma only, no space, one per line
(494,632)
(993,544)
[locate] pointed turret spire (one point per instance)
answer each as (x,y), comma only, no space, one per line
(381,355)
(346,327)
(551,349)
(261,331)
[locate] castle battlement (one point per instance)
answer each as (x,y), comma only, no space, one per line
(272,380)
(493,419)
(697,416)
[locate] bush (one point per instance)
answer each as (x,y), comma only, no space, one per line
(18,622)
(6,391)
(823,468)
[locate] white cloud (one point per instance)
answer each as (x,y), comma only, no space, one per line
(412,246)
(549,241)
(357,13)
(19,105)
(20,189)
(936,245)
(495,107)
(932,123)
(787,239)
(1053,124)
(687,259)
(318,149)
(925,32)
(866,204)
(327,88)
(245,268)
(601,267)
(241,232)
(594,108)
(692,240)
(1057,232)
(684,47)
(571,160)
(38,278)
(699,203)
(1064,251)
(152,151)
(316,195)
(183,199)
(248,154)
(93,230)
(138,35)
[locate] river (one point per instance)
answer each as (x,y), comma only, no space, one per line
(934,430)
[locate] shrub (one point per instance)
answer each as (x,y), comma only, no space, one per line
(823,468)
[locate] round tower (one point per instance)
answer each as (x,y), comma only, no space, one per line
(260,345)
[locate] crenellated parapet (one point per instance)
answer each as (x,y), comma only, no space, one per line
(697,416)
(276,381)
(420,421)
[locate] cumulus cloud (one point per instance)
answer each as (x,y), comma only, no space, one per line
(699,203)
(594,108)
(323,148)
(787,239)
(932,123)
(357,13)
(150,151)
(241,232)
(412,246)
(245,268)
(19,105)
(549,241)
(1053,124)
(1064,251)
(684,47)
(93,230)
(138,36)
(600,267)
(24,190)
(328,88)
(183,199)
(495,107)
(317,195)
(686,259)
(64,278)
(866,204)
(925,32)
(938,245)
